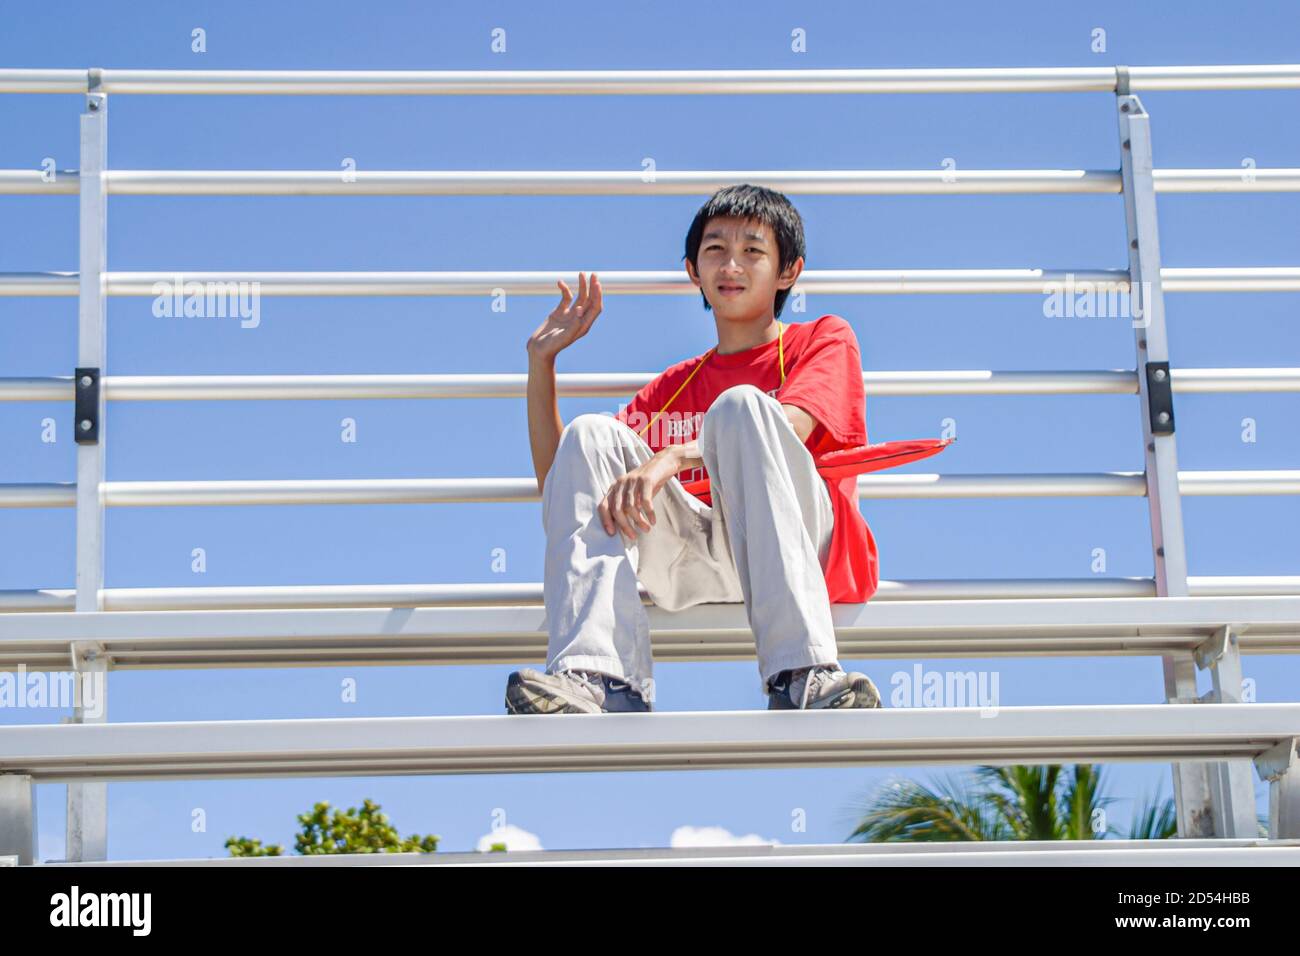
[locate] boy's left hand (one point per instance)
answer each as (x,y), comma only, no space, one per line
(629,503)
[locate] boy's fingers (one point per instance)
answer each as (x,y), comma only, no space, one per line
(641,507)
(633,516)
(626,511)
(624,525)
(618,507)
(612,517)
(621,510)
(593,306)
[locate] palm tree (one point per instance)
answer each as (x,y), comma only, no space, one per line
(1157,820)
(1006,803)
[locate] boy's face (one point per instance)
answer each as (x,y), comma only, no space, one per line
(739,268)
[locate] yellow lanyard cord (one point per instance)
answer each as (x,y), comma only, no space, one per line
(780,346)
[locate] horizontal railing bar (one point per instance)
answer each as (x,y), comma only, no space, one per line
(529,594)
(225,285)
(369,491)
(60,753)
(1239,482)
(834,182)
(156,388)
(1095,484)
(1253,279)
(1096,79)
(39,283)
(36,182)
(522,594)
(52,494)
(826,281)
(1211,380)
(577,385)
(1243,180)
(848,182)
(980,627)
(1063,853)
(1243,585)
(337,491)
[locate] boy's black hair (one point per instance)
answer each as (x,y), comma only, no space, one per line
(759,203)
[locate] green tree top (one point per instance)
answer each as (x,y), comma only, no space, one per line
(350,831)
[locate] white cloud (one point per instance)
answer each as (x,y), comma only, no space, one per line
(715,836)
(512,836)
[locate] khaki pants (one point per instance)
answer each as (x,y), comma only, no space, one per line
(764,542)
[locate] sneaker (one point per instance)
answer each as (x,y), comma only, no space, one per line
(531,691)
(620,698)
(821,687)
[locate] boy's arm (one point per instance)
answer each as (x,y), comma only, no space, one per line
(564,326)
(544,422)
(802,422)
(826,383)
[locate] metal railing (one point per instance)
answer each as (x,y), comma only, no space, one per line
(1212,798)
(473,629)
(846,182)
(1095,79)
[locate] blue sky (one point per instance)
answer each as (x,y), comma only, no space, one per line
(440,543)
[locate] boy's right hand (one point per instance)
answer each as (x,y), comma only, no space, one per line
(569,321)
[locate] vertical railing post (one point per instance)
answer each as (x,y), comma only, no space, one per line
(1232,783)
(87,830)
(17,818)
(1198,795)
(1280,766)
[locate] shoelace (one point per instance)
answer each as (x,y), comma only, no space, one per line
(592,679)
(816,674)
(612,685)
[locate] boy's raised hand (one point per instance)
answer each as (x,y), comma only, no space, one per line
(569,321)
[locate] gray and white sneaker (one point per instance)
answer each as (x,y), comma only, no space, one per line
(531,691)
(821,687)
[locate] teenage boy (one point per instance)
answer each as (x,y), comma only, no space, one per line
(749,414)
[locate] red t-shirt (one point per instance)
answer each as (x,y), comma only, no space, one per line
(823,376)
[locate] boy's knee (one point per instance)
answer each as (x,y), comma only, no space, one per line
(590,421)
(592,430)
(734,406)
(738,398)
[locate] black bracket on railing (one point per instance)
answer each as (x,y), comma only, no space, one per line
(1160,398)
(86,424)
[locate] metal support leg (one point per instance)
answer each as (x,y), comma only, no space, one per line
(1192,790)
(1192,782)
(1280,766)
(18,818)
(1232,786)
(87,829)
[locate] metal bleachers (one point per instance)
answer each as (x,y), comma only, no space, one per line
(1216,744)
